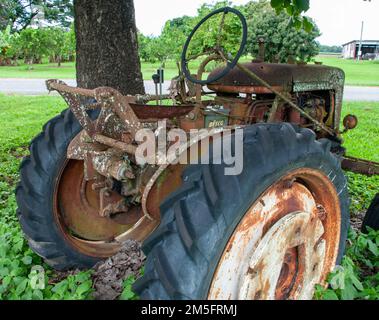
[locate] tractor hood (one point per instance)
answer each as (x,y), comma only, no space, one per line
(283,77)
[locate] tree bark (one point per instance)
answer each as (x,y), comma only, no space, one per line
(107,45)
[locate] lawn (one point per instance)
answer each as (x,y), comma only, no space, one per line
(67,71)
(364,73)
(21,118)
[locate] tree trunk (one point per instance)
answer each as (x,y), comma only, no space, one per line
(107,45)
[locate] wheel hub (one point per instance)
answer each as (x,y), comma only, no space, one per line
(286,243)
(270,267)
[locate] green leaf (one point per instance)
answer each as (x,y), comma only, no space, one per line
(302,5)
(127,295)
(21,287)
(37,295)
(307,24)
(356,282)
(329,295)
(276,4)
(349,293)
(60,287)
(3,272)
(373,248)
(84,287)
(27,260)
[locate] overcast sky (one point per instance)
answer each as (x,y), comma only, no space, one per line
(339,20)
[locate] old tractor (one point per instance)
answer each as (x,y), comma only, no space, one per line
(273,230)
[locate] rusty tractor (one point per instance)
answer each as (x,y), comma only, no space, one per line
(273,231)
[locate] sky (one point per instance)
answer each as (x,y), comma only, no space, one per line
(339,20)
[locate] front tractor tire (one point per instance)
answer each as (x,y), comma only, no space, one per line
(57,208)
(273,232)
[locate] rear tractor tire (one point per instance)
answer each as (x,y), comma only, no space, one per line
(57,208)
(371,219)
(273,232)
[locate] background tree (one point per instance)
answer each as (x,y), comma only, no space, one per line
(19,14)
(61,45)
(32,45)
(6,39)
(330,49)
(59,12)
(283,39)
(107,45)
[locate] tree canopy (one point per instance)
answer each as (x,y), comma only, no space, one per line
(284,36)
(19,14)
(283,40)
(268,19)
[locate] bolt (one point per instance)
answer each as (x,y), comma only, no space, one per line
(321,212)
(191,116)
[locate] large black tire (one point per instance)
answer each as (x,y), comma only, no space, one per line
(198,219)
(371,219)
(35,194)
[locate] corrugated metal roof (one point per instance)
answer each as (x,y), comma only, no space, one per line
(368,42)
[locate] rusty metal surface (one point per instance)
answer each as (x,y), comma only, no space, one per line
(77,205)
(299,212)
(128,148)
(60,86)
(350,122)
(146,112)
(242,89)
(267,269)
(152,196)
(369,168)
(284,78)
(77,208)
(107,98)
(106,146)
(72,96)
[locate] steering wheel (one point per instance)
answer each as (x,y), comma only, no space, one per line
(217,50)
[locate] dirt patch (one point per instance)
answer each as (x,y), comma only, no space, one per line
(19,152)
(60,276)
(356,221)
(109,275)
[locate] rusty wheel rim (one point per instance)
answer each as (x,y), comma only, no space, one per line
(286,243)
(75,209)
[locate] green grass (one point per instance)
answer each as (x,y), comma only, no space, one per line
(363,142)
(22,118)
(39,71)
(67,71)
(362,73)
